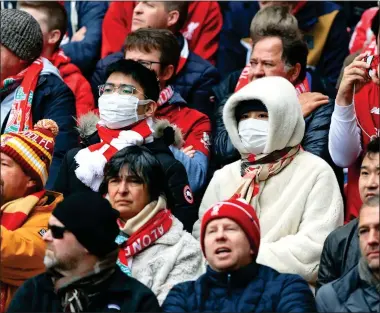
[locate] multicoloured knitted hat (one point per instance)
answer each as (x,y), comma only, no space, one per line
(32,149)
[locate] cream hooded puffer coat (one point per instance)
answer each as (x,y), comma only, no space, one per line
(299,206)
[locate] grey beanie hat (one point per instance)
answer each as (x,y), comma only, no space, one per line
(21,34)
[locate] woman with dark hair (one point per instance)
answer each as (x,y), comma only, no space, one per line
(154,248)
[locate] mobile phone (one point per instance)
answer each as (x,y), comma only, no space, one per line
(373,61)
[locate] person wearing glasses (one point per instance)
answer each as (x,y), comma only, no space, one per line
(195,76)
(80,258)
(127,106)
(158,49)
(25,204)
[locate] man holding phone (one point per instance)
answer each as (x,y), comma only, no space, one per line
(355,121)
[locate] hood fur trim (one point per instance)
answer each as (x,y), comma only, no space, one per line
(286,122)
(87,126)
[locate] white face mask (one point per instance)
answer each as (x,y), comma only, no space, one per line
(119,111)
(254,135)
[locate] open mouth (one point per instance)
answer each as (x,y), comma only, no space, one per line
(222,250)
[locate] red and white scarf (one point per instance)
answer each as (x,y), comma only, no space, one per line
(13,215)
(144,236)
(20,117)
(165,95)
(91,161)
(243,80)
(256,168)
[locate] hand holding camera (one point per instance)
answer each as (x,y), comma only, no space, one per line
(361,71)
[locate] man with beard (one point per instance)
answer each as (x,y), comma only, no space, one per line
(81,254)
(358,290)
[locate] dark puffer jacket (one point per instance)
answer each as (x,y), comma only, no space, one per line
(340,253)
(253,288)
(194,82)
(317,126)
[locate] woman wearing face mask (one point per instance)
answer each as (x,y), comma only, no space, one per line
(295,193)
(127,105)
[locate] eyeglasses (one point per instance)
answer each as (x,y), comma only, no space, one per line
(122,89)
(147,64)
(57,231)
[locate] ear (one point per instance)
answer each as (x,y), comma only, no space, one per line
(31,184)
(294,72)
(150,109)
(166,73)
(173,17)
(54,37)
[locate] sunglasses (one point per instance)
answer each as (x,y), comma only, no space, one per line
(56,231)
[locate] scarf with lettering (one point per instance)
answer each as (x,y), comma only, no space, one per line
(76,292)
(25,82)
(91,160)
(13,216)
(141,231)
(243,80)
(256,168)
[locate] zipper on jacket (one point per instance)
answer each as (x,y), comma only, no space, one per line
(229,284)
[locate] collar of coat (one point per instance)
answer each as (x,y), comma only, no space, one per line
(241,277)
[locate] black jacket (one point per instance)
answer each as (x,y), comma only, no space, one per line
(119,293)
(193,82)
(315,140)
(340,253)
(348,294)
(179,202)
(54,100)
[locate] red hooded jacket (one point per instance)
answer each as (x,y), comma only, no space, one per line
(202,28)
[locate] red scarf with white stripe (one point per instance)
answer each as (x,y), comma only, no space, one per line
(91,161)
(25,82)
(243,80)
(13,215)
(145,236)
(167,92)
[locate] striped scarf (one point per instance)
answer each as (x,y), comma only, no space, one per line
(20,117)
(91,161)
(256,168)
(13,216)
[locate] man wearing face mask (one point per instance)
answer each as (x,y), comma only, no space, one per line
(127,105)
(295,193)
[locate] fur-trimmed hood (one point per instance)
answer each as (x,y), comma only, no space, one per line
(286,123)
(87,127)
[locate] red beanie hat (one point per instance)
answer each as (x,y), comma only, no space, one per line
(239,211)
(32,149)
